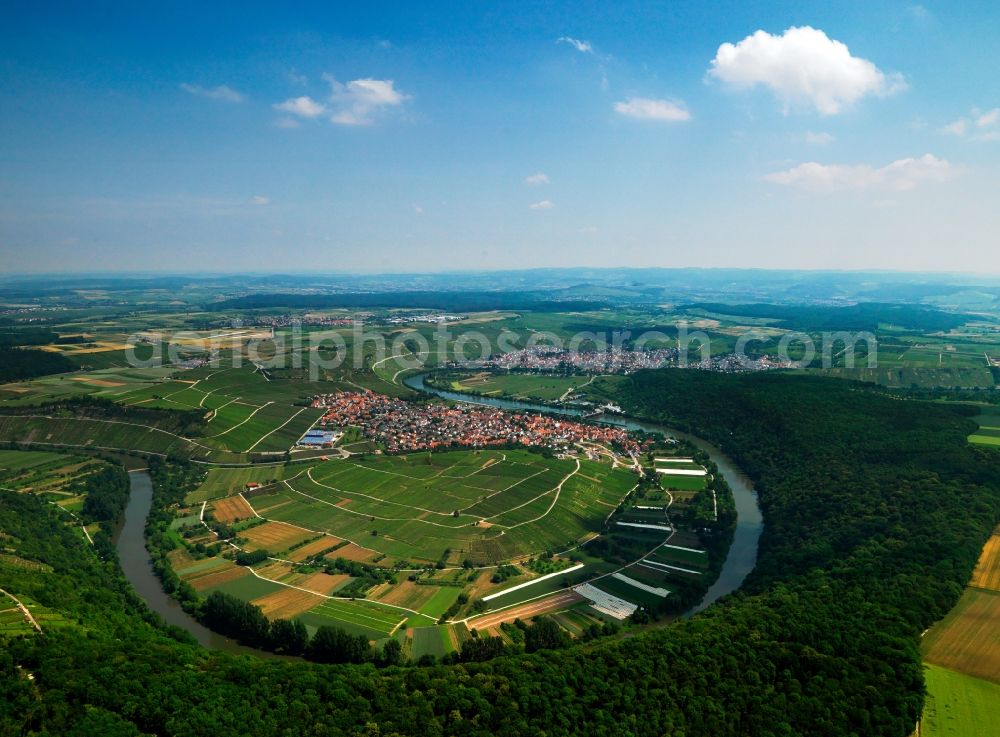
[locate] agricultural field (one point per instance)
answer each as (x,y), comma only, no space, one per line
(958,705)
(485,506)
(989,428)
(987,572)
(428,522)
(521,386)
(967,639)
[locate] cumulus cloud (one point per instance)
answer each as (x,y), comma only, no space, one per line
(901,175)
(584,47)
(818,139)
(543,205)
(261,200)
(536,179)
(304,107)
(360,101)
(979,125)
(222,92)
(645,108)
(802,67)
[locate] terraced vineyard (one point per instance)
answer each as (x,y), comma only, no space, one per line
(486,506)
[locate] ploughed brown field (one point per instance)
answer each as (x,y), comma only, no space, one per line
(313,548)
(287,603)
(526,611)
(215,579)
(968,638)
(231,509)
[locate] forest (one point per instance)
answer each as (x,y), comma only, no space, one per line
(875,510)
(17,364)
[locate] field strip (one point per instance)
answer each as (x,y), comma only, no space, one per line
(553,504)
(533,581)
(440,474)
(662,528)
(688,550)
(640,585)
(540,605)
(374,498)
(328,534)
(335,598)
(215,411)
(400,355)
(113,422)
(504,490)
(24,610)
(262,437)
(244,421)
(369,516)
(646,562)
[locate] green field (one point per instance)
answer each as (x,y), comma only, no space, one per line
(487,506)
(989,428)
(520,386)
(430,641)
(356,617)
(958,705)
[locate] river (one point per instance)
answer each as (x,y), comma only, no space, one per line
(130,541)
(742,556)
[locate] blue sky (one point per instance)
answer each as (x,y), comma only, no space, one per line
(411,136)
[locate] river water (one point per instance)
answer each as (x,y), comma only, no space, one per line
(130,541)
(130,538)
(742,554)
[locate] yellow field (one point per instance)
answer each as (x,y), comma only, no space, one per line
(987,573)
(274,536)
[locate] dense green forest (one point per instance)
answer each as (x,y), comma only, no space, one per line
(875,510)
(17,364)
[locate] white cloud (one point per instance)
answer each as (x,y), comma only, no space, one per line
(644,108)
(980,126)
(298,79)
(359,101)
(900,175)
(956,127)
(418,210)
(584,47)
(802,67)
(588,230)
(988,120)
(818,139)
(261,200)
(304,107)
(543,205)
(286,122)
(222,92)
(536,179)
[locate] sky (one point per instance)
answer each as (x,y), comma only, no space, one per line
(388,137)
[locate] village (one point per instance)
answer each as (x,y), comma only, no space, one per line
(549,358)
(407,426)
